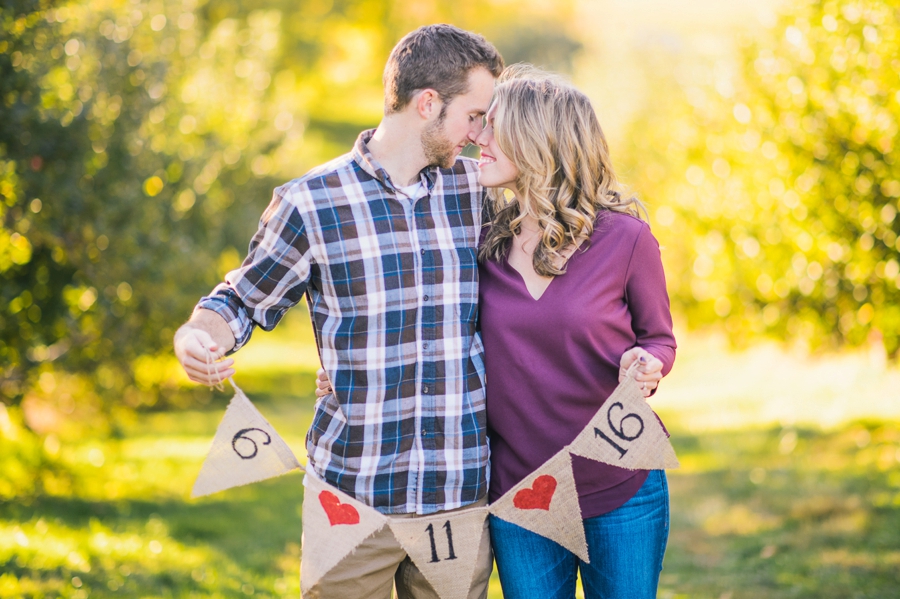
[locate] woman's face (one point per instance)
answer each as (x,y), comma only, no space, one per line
(495,169)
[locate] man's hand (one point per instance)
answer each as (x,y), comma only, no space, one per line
(649,371)
(323,385)
(200,344)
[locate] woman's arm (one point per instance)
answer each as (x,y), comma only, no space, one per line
(651,318)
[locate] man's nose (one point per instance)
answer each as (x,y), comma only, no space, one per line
(480,137)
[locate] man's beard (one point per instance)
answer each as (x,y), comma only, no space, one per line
(439,151)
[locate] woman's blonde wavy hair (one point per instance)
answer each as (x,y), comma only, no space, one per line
(549,130)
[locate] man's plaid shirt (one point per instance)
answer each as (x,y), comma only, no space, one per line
(392,289)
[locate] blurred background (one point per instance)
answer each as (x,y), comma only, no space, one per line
(140,142)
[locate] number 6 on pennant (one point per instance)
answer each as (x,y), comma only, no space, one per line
(246,449)
(242,435)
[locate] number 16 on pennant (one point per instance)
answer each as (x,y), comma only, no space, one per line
(635,429)
(625,432)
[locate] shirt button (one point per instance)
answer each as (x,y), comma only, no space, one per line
(425,298)
(424,346)
(423,252)
(425,389)
(424,433)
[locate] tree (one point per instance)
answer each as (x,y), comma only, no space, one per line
(119,166)
(777,185)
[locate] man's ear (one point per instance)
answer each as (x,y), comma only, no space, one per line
(428,104)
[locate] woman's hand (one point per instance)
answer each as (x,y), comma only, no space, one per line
(323,385)
(649,370)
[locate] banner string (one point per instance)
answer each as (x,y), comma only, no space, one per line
(209,364)
(632,370)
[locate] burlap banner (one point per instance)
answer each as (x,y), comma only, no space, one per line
(333,520)
(625,432)
(444,547)
(546,503)
(246,449)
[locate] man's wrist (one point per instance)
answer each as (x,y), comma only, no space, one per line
(213,324)
(184,330)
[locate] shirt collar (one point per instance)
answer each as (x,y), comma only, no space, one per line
(363,157)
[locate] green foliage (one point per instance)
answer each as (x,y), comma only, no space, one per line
(28,469)
(777,186)
(113,189)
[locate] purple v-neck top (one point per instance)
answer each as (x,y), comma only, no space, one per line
(552,362)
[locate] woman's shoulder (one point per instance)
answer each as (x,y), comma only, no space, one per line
(620,224)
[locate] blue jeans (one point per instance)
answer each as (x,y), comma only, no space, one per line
(626,547)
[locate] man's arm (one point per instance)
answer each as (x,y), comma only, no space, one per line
(272,279)
(199,345)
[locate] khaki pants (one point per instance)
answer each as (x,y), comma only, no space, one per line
(379,563)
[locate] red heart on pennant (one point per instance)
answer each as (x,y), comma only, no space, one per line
(538,496)
(340,513)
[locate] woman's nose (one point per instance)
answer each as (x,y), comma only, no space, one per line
(483,138)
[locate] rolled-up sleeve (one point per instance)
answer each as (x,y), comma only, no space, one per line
(648,301)
(273,276)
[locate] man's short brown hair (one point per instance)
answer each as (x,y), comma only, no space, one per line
(437,57)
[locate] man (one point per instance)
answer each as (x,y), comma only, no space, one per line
(382,241)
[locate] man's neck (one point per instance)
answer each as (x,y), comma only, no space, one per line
(398,149)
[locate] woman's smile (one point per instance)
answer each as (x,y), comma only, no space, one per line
(486,159)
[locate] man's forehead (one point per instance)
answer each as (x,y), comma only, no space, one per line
(475,103)
(481,89)
(470,103)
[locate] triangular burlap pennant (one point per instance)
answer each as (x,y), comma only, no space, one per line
(546,503)
(444,547)
(246,449)
(334,524)
(625,432)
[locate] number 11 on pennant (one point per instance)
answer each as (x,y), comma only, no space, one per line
(434,555)
(445,547)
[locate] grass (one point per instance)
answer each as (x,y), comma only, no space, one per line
(771,500)
(786,513)
(128,529)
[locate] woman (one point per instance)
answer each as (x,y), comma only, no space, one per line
(572,292)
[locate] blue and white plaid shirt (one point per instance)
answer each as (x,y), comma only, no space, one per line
(392,287)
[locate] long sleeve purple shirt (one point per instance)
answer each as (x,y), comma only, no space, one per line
(552,362)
